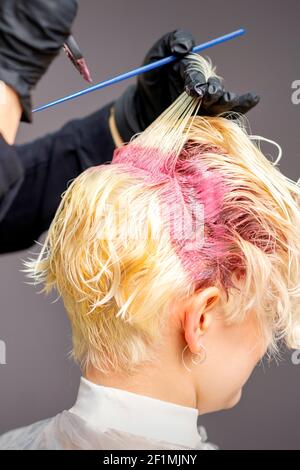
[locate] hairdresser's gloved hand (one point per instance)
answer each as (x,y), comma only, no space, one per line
(156,90)
(31,35)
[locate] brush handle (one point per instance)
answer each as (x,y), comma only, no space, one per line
(140,70)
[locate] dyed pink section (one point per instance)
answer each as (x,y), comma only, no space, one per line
(191,200)
(192,191)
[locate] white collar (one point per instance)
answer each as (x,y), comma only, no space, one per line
(112,408)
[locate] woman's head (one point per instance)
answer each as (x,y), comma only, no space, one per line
(202,252)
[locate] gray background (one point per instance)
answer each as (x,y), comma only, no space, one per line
(39,380)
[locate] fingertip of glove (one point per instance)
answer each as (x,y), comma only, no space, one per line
(180,49)
(182,42)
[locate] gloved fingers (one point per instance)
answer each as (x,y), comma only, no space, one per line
(246,102)
(214,92)
(31,35)
(53,17)
(165,83)
(182,77)
(227,102)
(180,42)
(177,42)
(194,81)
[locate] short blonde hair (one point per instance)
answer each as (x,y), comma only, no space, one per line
(118,286)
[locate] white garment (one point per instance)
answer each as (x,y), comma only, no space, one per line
(113,419)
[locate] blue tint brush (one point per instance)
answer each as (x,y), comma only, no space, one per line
(143,69)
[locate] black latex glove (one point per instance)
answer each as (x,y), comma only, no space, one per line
(141,104)
(31,35)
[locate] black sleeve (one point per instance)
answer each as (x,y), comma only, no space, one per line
(42,171)
(11,175)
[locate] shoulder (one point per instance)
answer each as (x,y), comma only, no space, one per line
(22,438)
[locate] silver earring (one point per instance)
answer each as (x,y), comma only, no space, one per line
(197,358)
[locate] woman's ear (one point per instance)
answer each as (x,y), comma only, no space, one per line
(198,316)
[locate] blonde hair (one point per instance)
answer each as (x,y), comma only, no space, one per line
(112,257)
